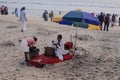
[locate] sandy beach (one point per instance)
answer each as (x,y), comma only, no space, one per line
(97,56)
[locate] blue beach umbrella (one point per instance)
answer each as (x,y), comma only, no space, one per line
(79,16)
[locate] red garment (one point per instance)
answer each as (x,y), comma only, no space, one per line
(47,60)
(30,41)
(107,19)
(68,45)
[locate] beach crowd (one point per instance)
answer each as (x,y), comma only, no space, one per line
(106,20)
(4,10)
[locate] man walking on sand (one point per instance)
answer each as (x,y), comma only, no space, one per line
(23,19)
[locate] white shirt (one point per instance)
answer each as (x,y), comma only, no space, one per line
(59,50)
(61,46)
(23,16)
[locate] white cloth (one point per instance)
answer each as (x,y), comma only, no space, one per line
(23,25)
(60,51)
(23,19)
(24,45)
(23,15)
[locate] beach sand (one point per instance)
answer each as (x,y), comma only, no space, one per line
(97,56)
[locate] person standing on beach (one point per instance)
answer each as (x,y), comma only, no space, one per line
(106,22)
(23,19)
(113,20)
(119,21)
(16,12)
(25,47)
(59,12)
(51,15)
(6,10)
(45,15)
(101,19)
(2,10)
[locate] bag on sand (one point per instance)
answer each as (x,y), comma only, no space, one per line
(68,45)
(49,52)
(33,52)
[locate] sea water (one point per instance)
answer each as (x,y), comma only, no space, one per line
(37,7)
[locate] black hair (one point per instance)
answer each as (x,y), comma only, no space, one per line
(23,8)
(60,36)
(101,13)
(35,38)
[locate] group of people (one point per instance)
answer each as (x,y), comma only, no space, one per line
(47,15)
(57,45)
(106,19)
(23,18)
(4,10)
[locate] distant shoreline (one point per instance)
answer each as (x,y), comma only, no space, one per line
(37,8)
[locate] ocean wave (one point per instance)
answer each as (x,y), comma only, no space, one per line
(39,7)
(65,4)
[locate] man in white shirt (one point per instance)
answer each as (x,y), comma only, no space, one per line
(23,19)
(58,45)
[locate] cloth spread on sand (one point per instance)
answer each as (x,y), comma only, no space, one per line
(42,59)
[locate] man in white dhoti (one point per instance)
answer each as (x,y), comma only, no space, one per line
(23,19)
(58,45)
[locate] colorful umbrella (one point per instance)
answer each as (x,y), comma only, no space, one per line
(80,24)
(79,16)
(86,25)
(58,18)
